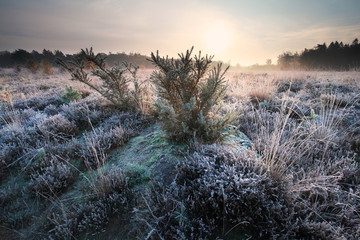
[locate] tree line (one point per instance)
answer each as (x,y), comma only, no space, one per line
(335,56)
(33,60)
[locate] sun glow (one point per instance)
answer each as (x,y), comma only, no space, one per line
(218,37)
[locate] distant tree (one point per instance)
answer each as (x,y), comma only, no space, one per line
(21,56)
(268,61)
(336,56)
(6,59)
(59,54)
(47,53)
(288,60)
(355,42)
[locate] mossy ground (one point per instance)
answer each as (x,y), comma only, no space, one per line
(149,156)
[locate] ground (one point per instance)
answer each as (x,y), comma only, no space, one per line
(84,170)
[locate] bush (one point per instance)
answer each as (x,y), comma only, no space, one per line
(133,121)
(111,197)
(115,80)
(49,176)
(70,95)
(16,141)
(32,65)
(40,102)
(188,102)
(99,142)
(96,214)
(58,127)
(85,111)
(46,67)
(219,192)
(111,181)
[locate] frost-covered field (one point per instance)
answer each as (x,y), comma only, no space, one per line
(80,169)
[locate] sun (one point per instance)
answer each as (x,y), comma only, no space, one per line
(218,37)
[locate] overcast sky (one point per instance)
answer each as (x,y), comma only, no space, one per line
(240,31)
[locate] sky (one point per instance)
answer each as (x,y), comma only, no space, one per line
(241,32)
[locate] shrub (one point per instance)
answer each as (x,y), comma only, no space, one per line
(294,85)
(61,226)
(86,110)
(111,197)
(49,176)
(99,141)
(188,99)
(32,66)
(58,127)
(51,110)
(68,149)
(46,67)
(111,181)
(15,141)
(115,80)
(259,95)
(133,121)
(96,214)
(70,95)
(40,102)
(217,192)
(3,167)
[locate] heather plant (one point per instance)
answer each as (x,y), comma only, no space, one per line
(51,110)
(217,192)
(99,141)
(49,176)
(133,121)
(189,96)
(40,101)
(304,139)
(57,127)
(66,149)
(115,80)
(86,110)
(61,225)
(16,141)
(96,214)
(105,181)
(109,195)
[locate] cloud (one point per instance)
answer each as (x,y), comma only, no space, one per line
(122,25)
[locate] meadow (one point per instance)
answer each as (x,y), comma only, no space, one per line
(73,166)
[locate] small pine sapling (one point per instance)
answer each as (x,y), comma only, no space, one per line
(115,80)
(70,95)
(189,97)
